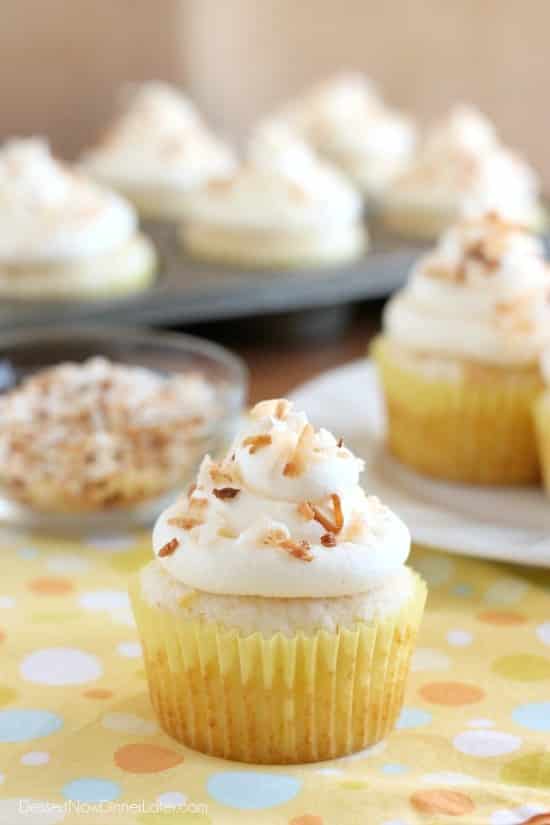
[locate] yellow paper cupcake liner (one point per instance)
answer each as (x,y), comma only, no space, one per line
(276,700)
(476,429)
(542,426)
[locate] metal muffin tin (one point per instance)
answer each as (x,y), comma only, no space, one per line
(188,292)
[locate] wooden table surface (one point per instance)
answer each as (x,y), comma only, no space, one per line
(276,367)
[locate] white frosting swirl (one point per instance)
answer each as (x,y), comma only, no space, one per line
(270,538)
(160,140)
(481,294)
(50,213)
(463,167)
(282,185)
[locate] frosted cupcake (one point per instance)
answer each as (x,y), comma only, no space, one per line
(61,235)
(462,169)
(158,151)
(278,616)
(281,208)
(349,124)
(458,357)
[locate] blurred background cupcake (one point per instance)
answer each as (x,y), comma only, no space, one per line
(458,357)
(461,168)
(62,234)
(348,123)
(282,207)
(157,151)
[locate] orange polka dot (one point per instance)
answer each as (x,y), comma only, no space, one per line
(98,693)
(453,694)
(144,758)
(306,819)
(51,586)
(501,617)
(442,801)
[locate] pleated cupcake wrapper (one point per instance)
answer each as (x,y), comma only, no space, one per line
(276,700)
(542,426)
(470,431)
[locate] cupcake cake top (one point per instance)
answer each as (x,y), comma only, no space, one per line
(282,515)
(463,160)
(49,212)
(483,293)
(159,139)
(281,184)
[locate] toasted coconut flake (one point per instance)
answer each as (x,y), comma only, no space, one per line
(198,503)
(328,540)
(227,533)
(298,461)
(220,476)
(191,490)
(184,522)
(297,549)
(168,548)
(305,509)
(256,442)
(275,537)
(226,492)
(282,409)
(275,408)
(340,442)
(337,523)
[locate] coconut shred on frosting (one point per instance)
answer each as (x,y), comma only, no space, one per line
(159,140)
(463,165)
(482,294)
(281,516)
(281,185)
(49,213)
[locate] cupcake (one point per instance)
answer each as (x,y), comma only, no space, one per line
(278,616)
(347,122)
(61,235)
(459,351)
(462,169)
(157,151)
(282,207)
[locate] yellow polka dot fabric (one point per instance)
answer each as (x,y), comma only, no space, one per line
(79,742)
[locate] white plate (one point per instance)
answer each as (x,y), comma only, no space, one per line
(511,524)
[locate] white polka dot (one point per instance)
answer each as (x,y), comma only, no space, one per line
(112,544)
(436,569)
(171,799)
(129,723)
(131,650)
(486,743)
(506,591)
(67,564)
(104,600)
(35,758)
(60,666)
(459,638)
(7,602)
(481,723)
(428,658)
(448,778)
(516,816)
(543,633)
(22,811)
(374,750)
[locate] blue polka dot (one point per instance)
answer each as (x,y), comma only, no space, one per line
(27,553)
(534,715)
(393,769)
(22,725)
(463,589)
(91,789)
(251,790)
(413,718)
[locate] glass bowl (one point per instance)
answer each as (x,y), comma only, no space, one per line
(167,354)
